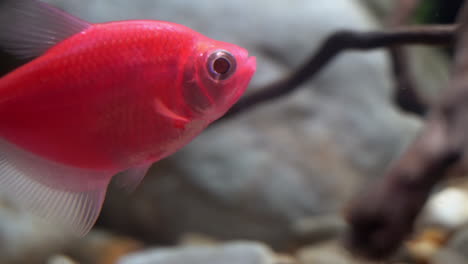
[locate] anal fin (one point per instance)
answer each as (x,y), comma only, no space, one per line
(45,188)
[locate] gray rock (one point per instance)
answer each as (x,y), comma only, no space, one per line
(431,69)
(319,228)
(445,256)
(60,259)
(27,239)
(459,242)
(100,246)
(447,208)
(231,253)
(381,8)
(327,253)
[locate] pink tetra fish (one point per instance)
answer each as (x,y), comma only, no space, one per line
(101,99)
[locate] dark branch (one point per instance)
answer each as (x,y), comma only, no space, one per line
(343,41)
(406,94)
(383,216)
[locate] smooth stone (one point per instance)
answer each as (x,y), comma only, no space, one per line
(230,253)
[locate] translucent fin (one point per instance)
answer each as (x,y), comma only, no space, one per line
(42,187)
(28,28)
(130,178)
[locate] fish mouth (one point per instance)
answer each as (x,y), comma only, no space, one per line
(250,65)
(252,60)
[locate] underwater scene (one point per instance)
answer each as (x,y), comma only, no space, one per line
(233,132)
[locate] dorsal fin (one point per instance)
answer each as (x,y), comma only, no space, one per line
(28,28)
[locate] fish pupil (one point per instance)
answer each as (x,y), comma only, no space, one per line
(221,65)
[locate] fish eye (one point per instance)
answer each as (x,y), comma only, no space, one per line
(221,65)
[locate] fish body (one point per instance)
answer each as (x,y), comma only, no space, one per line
(103,99)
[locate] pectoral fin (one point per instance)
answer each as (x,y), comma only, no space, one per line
(130,178)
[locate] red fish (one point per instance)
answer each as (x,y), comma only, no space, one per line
(102,99)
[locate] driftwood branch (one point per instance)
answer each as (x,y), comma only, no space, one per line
(406,96)
(345,41)
(383,215)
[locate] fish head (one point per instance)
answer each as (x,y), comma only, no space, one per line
(216,76)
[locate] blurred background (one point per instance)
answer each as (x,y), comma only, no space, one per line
(269,186)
